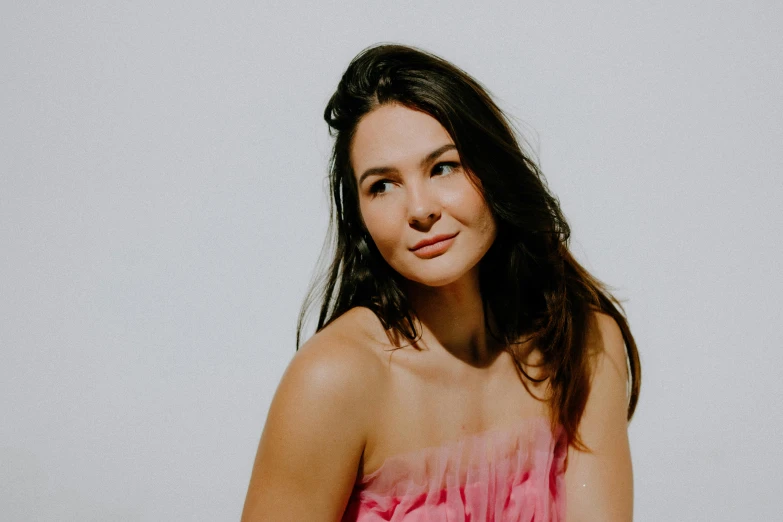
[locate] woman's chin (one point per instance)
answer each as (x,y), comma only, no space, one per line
(436,279)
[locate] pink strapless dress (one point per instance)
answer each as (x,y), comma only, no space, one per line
(510,475)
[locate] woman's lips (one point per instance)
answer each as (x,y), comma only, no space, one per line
(432,247)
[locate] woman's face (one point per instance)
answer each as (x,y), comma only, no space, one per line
(429,222)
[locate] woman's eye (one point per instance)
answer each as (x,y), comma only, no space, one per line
(380,187)
(445,168)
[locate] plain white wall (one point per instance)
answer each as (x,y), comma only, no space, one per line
(162,206)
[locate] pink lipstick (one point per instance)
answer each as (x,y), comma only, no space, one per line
(433,246)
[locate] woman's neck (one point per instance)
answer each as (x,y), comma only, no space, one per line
(452,319)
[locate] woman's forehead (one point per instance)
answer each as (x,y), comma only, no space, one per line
(395,136)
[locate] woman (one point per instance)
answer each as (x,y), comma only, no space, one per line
(465,366)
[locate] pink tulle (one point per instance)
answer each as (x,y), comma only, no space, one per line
(509,475)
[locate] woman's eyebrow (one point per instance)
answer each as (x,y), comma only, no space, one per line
(374,171)
(435,153)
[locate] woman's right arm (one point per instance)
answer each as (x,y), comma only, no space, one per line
(314,436)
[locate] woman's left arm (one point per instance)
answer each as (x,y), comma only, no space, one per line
(599,482)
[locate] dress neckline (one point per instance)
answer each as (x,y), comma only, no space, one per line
(516,429)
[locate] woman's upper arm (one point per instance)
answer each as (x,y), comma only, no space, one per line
(599,483)
(313,439)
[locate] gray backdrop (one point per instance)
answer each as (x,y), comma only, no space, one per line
(162,206)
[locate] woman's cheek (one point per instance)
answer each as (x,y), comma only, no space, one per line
(380,223)
(463,200)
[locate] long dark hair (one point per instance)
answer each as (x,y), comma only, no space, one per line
(531,285)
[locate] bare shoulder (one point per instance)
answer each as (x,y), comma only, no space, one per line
(599,481)
(317,427)
(344,352)
(334,375)
(609,380)
(608,346)
(338,372)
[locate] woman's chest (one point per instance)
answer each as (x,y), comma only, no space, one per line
(421,409)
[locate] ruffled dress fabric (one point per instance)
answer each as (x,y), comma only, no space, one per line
(513,475)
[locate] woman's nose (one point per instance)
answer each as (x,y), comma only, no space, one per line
(423,207)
